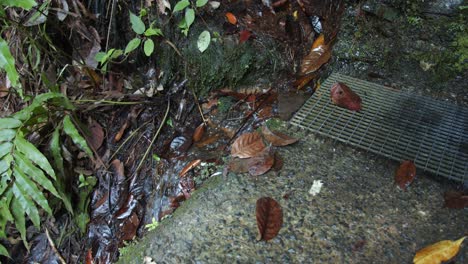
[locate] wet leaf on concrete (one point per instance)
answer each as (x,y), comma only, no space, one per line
(199,132)
(231,18)
(405,174)
(277,138)
(247,145)
(455,200)
(97,135)
(438,252)
(319,54)
(342,96)
(269,218)
(262,163)
(189,166)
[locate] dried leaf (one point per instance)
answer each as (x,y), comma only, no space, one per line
(231,18)
(122,129)
(320,41)
(247,145)
(277,138)
(455,200)
(342,96)
(438,252)
(97,135)
(405,174)
(207,141)
(315,59)
(269,218)
(199,132)
(278,165)
(262,163)
(238,165)
(244,35)
(189,166)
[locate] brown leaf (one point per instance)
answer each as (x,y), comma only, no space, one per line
(261,164)
(244,35)
(247,145)
(97,135)
(129,227)
(207,141)
(278,165)
(405,174)
(231,18)
(238,165)
(269,218)
(199,132)
(189,166)
(122,129)
(342,96)
(277,138)
(438,252)
(318,55)
(455,200)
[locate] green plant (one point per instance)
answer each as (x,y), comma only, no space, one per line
(25,172)
(153,225)
(414,20)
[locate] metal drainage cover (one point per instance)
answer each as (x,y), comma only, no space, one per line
(394,124)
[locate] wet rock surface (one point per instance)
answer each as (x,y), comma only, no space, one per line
(359,216)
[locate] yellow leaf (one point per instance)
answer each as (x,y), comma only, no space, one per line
(438,252)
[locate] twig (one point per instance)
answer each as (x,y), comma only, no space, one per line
(174,47)
(52,245)
(127,139)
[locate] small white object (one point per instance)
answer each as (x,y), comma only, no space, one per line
(316,187)
(214,4)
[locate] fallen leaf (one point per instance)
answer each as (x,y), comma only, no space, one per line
(247,145)
(238,165)
(231,18)
(342,96)
(269,218)
(315,59)
(244,35)
(208,141)
(97,135)
(405,174)
(262,163)
(189,166)
(199,132)
(277,138)
(438,252)
(129,227)
(89,257)
(278,165)
(455,200)
(319,41)
(122,129)
(316,187)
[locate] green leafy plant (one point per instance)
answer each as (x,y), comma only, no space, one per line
(153,225)
(189,13)
(27,179)
(144,35)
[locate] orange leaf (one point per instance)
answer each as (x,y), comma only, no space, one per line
(405,174)
(231,18)
(122,129)
(247,145)
(189,166)
(269,218)
(438,252)
(276,138)
(315,59)
(342,96)
(199,132)
(319,41)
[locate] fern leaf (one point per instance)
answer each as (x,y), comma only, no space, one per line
(9,123)
(27,112)
(31,188)
(5,178)
(3,251)
(70,129)
(34,173)
(25,203)
(7,135)
(5,163)
(5,148)
(5,214)
(54,146)
(28,149)
(20,221)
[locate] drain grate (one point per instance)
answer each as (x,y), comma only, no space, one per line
(394,124)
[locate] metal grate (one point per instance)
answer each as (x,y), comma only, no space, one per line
(394,124)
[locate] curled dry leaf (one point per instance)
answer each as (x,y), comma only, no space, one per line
(247,145)
(199,132)
(277,138)
(97,135)
(319,54)
(342,96)
(455,200)
(438,252)
(231,18)
(189,166)
(269,218)
(405,174)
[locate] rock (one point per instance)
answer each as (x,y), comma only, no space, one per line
(442,7)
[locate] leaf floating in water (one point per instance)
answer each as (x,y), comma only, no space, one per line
(269,218)
(189,166)
(342,96)
(455,200)
(438,252)
(277,139)
(247,145)
(405,174)
(199,132)
(231,18)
